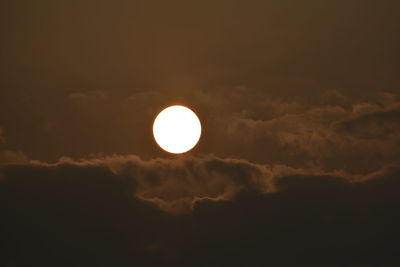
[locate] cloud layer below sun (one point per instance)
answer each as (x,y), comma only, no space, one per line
(123,210)
(176,185)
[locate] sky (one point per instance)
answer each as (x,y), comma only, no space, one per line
(298,163)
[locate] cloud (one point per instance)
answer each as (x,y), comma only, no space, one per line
(326,131)
(312,218)
(173,184)
(239,122)
(223,212)
(327,136)
(373,125)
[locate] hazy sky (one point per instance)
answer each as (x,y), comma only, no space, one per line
(299,156)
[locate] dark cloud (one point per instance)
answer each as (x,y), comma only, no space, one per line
(174,184)
(101,212)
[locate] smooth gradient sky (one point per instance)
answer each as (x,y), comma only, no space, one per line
(299,158)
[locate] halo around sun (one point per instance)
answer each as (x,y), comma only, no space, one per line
(177,129)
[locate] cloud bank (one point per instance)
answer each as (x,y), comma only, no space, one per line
(177,184)
(126,211)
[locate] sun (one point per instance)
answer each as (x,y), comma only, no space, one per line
(177,129)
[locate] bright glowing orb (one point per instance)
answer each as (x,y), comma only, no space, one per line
(177,129)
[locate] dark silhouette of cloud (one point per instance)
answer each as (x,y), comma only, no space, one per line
(173,184)
(101,212)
